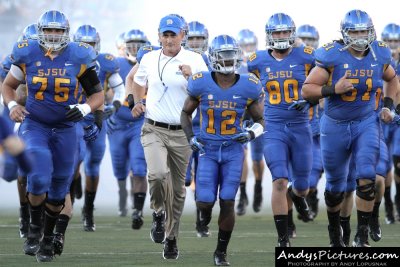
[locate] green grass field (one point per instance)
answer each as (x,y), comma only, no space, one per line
(115,244)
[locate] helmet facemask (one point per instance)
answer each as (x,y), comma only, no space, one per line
(226,61)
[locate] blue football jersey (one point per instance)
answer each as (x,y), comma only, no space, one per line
(144,50)
(123,115)
(52,83)
(282,81)
(221,110)
(107,65)
(365,74)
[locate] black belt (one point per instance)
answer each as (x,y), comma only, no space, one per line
(164,125)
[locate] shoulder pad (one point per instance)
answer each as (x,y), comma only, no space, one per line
(195,82)
(144,50)
(326,55)
(382,52)
(108,63)
(81,53)
(21,52)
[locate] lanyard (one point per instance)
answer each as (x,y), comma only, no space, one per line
(160,74)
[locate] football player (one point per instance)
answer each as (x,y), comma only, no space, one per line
(53,68)
(282,69)
(221,138)
(347,75)
(124,137)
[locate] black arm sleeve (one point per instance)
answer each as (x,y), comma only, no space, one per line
(90,82)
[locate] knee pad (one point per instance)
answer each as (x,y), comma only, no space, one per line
(366,192)
(56,202)
(332,199)
(396,163)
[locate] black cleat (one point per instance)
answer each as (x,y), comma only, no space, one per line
(137,219)
(361,237)
(32,242)
(301,206)
(157,232)
(23,222)
(292,231)
(87,218)
(336,237)
(202,230)
(31,246)
(58,243)
(46,251)
(220,259)
(283,242)
(170,251)
(241,207)
(375,231)
(257,202)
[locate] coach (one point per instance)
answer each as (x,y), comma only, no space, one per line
(164,73)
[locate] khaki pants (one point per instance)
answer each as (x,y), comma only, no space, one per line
(167,154)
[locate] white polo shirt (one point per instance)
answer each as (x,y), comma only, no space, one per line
(165,105)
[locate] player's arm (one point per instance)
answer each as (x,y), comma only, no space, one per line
(390,91)
(315,86)
(116,83)
(256,111)
(137,91)
(13,79)
(129,80)
(190,105)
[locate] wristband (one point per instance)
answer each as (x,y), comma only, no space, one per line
(12,104)
(387,102)
(131,101)
(328,90)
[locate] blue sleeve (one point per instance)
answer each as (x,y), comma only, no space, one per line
(144,50)
(253,61)
(382,52)
(326,55)
(255,88)
(194,84)
(82,53)
(108,63)
(21,52)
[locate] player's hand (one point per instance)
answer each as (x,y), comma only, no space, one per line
(18,113)
(91,132)
(387,116)
(186,70)
(75,113)
(196,145)
(243,137)
(138,109)
(300,105)
(343,85)
(109,110)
